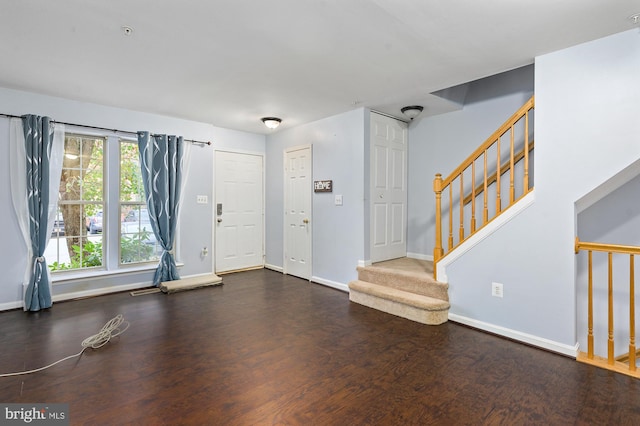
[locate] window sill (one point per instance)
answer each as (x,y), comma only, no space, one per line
(72,276)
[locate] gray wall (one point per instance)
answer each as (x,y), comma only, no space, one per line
(587,109)
(196,219)
(338,231)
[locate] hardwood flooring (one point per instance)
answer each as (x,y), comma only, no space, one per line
(266,349)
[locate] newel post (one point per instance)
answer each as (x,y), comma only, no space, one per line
(437,250)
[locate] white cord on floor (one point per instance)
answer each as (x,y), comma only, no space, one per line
(109,330)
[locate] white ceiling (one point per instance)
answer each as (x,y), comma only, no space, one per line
(231,62)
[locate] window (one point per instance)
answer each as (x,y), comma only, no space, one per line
(137,240)
(81,238)
(76,241)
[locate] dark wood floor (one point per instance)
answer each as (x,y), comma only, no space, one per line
(270,349)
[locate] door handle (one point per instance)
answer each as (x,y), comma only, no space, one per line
(219,219)
(305,221)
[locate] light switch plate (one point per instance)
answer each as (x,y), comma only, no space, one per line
(338,200)
(202,199)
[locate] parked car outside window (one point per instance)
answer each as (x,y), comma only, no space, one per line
(95,223)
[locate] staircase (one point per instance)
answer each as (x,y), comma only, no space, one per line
(403,287)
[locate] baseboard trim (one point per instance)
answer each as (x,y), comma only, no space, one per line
(364,263)
(98,291)
(10,305)
(274,267)
(332,284)
(541,342)
(420,256)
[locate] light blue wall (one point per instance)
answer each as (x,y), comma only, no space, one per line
(338,231)
(587,110)
(196,219)
(438,144)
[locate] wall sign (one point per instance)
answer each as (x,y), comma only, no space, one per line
(323,186)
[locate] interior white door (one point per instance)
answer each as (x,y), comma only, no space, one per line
(388,188)
(239,211)
(297,211)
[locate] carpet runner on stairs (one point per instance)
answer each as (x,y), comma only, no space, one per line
(404,287)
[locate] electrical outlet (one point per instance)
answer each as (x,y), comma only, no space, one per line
(497,290)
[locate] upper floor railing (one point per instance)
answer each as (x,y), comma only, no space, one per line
(503,160)
(625,363)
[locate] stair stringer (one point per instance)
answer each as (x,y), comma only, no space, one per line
(482,233)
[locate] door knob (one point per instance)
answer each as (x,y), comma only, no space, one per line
(305,221)
(219,219)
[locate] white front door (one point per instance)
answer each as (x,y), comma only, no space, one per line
(388,188)
(297,212)
(239,211)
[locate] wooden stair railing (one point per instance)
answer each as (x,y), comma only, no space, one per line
(491,179)
(626,363)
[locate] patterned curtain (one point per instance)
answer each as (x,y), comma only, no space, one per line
(161,161)
(36,166)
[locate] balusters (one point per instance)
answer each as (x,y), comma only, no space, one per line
(512,189)
(450,245)
(632,314)
(610,356)
(473,196)
(611,361)
(498,176)
(461,236)
(590,308)
(525,183)
(485,213)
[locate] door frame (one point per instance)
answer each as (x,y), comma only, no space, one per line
(215,199)
(284,209)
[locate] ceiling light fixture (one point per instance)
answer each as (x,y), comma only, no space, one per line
(271,122)
(127,30)
(635,18)
(412,111)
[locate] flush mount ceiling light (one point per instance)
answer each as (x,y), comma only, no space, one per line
(271,122)
(127,30)
(635,18)
(412,111)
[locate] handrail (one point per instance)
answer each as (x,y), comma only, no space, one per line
(626,363)
(488,179)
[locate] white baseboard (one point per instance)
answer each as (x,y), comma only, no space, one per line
(274,268)
(530,339)
(10,305)
(99,291)
(332,284)
(364,263)
(420,256)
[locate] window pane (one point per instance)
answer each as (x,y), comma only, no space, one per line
(80,206)
(137,240)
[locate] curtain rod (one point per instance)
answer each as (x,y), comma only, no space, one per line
(104,128)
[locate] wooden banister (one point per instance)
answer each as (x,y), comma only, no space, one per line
(522,111)
(626,363)
(489,177)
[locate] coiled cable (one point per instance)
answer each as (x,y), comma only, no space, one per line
(110,330)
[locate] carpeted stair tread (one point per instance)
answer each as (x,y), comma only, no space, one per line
(401,296)
(409,281)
